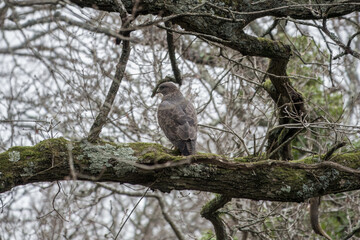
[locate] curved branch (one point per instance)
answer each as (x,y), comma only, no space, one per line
(314,217)
(210,212)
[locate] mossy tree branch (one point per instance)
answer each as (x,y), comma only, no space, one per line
(152,165)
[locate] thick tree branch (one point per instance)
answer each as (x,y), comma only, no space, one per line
(227,20)
(291,107)
(152,165)
(302,9)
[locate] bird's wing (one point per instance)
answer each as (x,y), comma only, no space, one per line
(167,121)
(178,120)
(187,120)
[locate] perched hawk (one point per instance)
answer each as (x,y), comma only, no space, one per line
(177,118)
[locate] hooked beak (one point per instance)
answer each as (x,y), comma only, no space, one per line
(155,91)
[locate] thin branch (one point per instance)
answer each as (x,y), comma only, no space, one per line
(354,231)
(294,6)
(92,28)
(171,48)
(332,36)
(169,220)
(33,2)
(333,149)
(240,138)
(165,214)
(127,218)
(106,107)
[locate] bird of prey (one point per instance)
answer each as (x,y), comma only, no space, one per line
(177,118)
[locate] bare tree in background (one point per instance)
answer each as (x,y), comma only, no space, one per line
(275,85)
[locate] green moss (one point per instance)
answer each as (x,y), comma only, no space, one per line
(150,153)
(309,160)
(289,174)
(5,166)
(20,156)
(159,157)
(269,42)
(151,150)
(268,86)
(55,148)
(282,135)
(140,146)
(348,159)
(208,235)
(16,154)
(211,155)
(351,159)
(18,162)
(207,207)
(244,159)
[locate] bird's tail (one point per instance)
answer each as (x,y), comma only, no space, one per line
(187,147)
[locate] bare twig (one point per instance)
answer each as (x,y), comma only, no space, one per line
(332,36)
(355,230)
(272,153)
(161,202)
(240,138)
(122,226)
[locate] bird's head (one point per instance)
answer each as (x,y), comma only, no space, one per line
(167,88)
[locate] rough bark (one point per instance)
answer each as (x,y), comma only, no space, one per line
(155,166)
(291,106)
